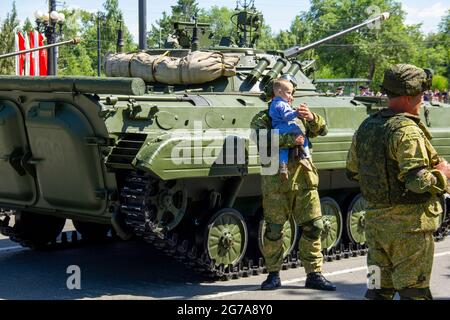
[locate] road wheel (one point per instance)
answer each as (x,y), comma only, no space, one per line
(332,222)
(226,237)
(356,220)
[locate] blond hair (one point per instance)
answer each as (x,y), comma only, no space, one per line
(281,84)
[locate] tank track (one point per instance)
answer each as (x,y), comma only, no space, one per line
(173,244)
(176,245)
(8,231)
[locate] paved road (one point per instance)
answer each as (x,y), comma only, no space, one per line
(134,270)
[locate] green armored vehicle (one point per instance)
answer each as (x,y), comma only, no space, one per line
(162,150)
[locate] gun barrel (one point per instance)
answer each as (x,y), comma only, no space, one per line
(294,51)
(12,54)
(115,86)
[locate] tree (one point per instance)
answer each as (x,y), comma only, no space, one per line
(74,59)
(440,82)
(220,20)
(7,30)
(435,53)
(444,25)
(444,28)
(114,17)
(82,59)
(184,10)
(218,17)
(27,26)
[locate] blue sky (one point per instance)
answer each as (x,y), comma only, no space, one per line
(278,14)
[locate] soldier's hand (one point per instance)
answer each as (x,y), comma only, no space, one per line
(300,140)
(304,112)
(444,167)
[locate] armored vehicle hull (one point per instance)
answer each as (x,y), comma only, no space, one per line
(177,169)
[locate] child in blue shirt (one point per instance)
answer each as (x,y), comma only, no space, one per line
(283,117)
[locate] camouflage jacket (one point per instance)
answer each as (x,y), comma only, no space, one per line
(312,129)
(410,147)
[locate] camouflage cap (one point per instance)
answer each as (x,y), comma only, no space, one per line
(406,80)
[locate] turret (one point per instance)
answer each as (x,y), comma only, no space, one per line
(190,63)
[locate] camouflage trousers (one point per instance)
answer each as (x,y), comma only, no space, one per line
(400,241)
(298,198)
(405,259)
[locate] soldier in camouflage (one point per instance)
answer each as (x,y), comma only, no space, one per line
(401,177)
(298,196)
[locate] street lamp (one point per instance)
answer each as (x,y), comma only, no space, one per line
(47,23)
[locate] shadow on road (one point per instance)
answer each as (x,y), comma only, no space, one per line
(130,270)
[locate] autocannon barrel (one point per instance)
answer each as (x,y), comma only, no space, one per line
(296,50)
(120,86)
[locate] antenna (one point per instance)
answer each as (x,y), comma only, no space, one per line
(248,22)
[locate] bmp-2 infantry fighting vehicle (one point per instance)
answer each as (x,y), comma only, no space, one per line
(170,159)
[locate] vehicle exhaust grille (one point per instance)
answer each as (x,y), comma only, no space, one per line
(126,149)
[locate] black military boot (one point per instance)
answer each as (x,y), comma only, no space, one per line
(272,282)
(315,280)
(415,294)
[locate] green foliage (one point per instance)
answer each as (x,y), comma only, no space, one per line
(440,82)
(219,18)
(82,59)
(365,53)
(27,26)
(184,10)
(444,25)
(444,37)
(267,40)
(76,60)
(7,28)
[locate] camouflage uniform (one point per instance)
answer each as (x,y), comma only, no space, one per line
(298,197)
(392,158)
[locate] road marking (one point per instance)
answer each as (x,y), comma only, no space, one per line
(446,253)
(257,287)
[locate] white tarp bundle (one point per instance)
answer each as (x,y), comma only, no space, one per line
(196,67)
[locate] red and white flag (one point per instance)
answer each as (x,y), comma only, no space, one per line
(21,58)
(27,55)
(42,56)
(33,65)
